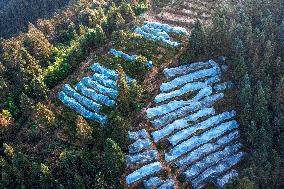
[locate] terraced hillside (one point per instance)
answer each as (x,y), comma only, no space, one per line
(187,137)
(100,89)
(184,13)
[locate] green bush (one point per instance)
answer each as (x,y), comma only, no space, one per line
(71,57)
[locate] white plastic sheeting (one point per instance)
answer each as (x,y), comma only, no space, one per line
(194,106)
(226,178)
(190,87)
(216,170)
(181,123)
(104,80)
(123,55)
(166,27)
(81,99)
(72,103)
(197,146)
(185,69)
(210,160)
(179,81)
(224,86)
(187,88)
(153,182)
(156,32)
(176,104)
(206,149)
(139,145)
(128,57)
(100,88)
(97,68)
(92,94)
(196,141)
(168,184)
(144,171)
(181,135)
(144,157)
(135,135)
(154,37)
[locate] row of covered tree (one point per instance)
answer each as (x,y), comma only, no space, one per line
(251,35)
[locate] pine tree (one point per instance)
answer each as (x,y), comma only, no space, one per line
(84,130)
(123,98)
(245,183)
(38,45)
(268,55)
(246,115)
(245,91)
(114,20)
(135,95)
(277,69)
(278,112)
(261,112)
(114,160)
(240,70)
(29,70)
(43,116)
(251,134)
(221,39)
(100,37)
(118,128)
(26,104)
(39,89)
(127,12)
(197,40)
(238,49)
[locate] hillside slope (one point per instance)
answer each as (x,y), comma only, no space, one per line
(16,14)
(184,13)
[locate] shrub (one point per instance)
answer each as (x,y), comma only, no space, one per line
(71,57)
(5,118)
(43,115)
(141,7)
(114,160)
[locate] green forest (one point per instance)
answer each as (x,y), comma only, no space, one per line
(46,44)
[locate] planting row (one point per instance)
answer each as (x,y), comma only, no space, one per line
(92,93)
(155,31)
(202,143)
(144,162)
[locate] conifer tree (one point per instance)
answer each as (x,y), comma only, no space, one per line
(26,104)
(261,112)
(238,49)
(39,89)
(197,40)
(240,70)
(84,130)
(245,183)
(278,111)
(100,35)
(127,12)
(38,45)
(118,128)
(246,91)
(29,69)
(43,116)
(135,95)
(246,115)
(114,20)
(252,133)
(123,98)
(277,69)
(114,160)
